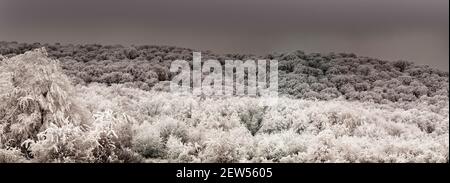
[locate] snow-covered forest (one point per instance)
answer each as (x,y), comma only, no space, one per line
(94,103)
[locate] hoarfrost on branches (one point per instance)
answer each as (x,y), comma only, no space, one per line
(399,114)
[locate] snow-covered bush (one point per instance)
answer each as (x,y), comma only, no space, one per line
(113,134)
(290,131)
(175,148)
(147,141)
(11,156)
(276,146)
(68,143)
(40,96)
(227,146)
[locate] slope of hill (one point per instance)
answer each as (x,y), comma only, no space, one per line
(44,118)
(301,75)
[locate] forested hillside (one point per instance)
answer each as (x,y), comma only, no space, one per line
(94,103)
(301,75)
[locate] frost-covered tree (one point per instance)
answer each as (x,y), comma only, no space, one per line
(40,96)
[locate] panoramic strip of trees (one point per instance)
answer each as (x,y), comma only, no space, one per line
(45,118)
(301,75)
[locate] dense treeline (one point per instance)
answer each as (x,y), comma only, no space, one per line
(44,118)
(301,75)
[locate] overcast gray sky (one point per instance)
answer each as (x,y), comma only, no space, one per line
(415,30)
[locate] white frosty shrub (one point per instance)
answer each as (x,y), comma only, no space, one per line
(193,129)
(174,147)
(227,147)
(40,96)
(114,135)
(147,141)
(12,156)
(278,145)
(68,143)
(252,116)
(274,121)
(320,148)
(168,126)
(179,152)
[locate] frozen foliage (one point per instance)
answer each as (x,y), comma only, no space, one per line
(11,156)
(43,118)
(218,130)
(301,75)
(38,96)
